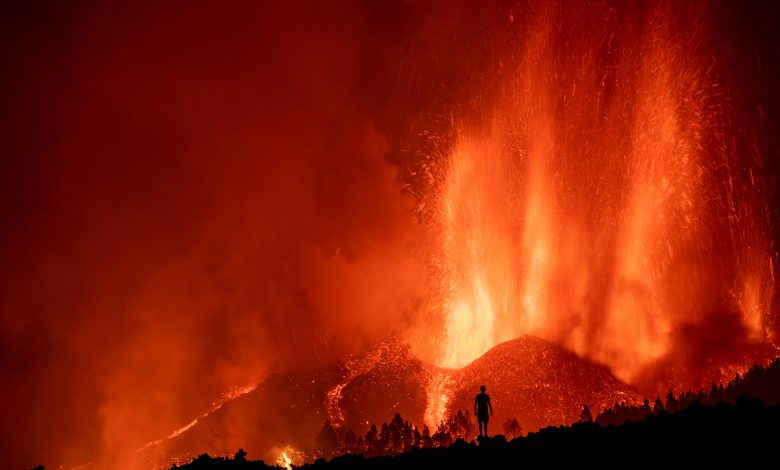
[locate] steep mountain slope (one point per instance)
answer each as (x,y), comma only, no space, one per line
(537,382)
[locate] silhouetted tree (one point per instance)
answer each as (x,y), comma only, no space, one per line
(372,436)
(384,437)
(407,436)
(737,379)
(658,405)
(427,440)
(442,436)
(395,429)
(745,430)
(349,443)
(713,390)
(585,415)
(417,440)
(327,438)
(459,425)
(671,401)
(464,423)
(512,427)
(400,436)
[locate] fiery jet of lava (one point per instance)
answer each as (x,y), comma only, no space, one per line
(601,199)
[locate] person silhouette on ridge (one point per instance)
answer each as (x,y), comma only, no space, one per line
(481,406)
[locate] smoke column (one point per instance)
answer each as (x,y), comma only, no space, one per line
(193,196)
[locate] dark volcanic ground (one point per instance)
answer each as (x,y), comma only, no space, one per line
(539,383)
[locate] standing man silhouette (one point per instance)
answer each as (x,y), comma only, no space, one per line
(481,406)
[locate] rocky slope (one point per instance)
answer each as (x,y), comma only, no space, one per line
(539,383)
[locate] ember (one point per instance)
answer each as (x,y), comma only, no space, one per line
(600,195)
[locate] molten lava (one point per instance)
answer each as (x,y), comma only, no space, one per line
(601,197)
(533,380)
(288,457)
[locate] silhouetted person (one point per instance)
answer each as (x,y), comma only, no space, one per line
(481,406)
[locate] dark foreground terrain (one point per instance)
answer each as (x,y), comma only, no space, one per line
(535,381)
(745,433)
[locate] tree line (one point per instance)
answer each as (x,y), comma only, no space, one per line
(759,381)
(721,417)
(399,435)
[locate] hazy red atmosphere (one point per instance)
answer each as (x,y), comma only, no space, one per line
(196,195)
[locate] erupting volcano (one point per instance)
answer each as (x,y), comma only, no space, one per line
(532,380)
(599,196)
(226,224)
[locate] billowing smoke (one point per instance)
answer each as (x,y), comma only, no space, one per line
(193,196)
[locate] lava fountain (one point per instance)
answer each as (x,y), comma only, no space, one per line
(601,196)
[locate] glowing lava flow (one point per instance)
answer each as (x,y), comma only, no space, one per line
(439,393)
(226,397)
(284,460)
(354,368)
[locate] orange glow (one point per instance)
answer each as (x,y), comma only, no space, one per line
(228,395)
(285,460)
(597,219)
(439,396)
(196,196)
(479,261)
